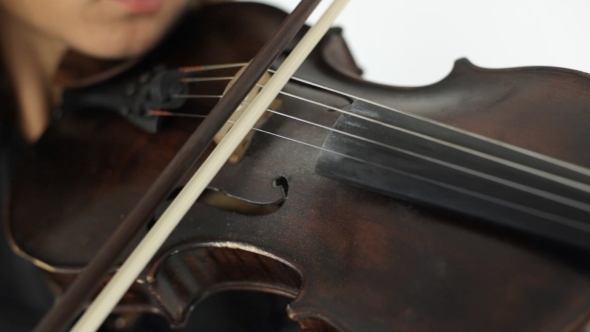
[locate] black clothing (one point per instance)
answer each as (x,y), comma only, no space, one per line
(24,296)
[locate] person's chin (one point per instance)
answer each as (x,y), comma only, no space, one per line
(141,7)
(114,51)
(123,41)
(132,34)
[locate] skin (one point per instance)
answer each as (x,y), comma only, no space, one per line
(35,34)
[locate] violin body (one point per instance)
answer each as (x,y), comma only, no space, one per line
(352,259)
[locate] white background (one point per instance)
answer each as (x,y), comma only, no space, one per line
(415,42)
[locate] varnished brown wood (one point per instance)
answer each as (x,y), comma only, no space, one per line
(351,259)
(72,301)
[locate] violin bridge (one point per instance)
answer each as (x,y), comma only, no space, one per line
(243,147)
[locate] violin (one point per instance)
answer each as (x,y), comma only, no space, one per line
(461,205)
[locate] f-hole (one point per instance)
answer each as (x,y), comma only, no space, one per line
(227,202)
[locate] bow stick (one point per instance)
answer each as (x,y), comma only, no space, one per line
(147,248)
(86,284)
(137,261)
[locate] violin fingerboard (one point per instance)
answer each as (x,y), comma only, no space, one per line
(419,160)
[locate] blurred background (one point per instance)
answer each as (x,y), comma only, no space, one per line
(415,42)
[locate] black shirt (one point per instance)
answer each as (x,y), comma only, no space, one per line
(24,294)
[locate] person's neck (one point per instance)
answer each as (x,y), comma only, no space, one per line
(32,59)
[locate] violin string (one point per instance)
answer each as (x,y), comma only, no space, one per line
(579,169)
(552,177)
(206,79)
(197,69)
(549,176)
(559,219)
(524,188)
